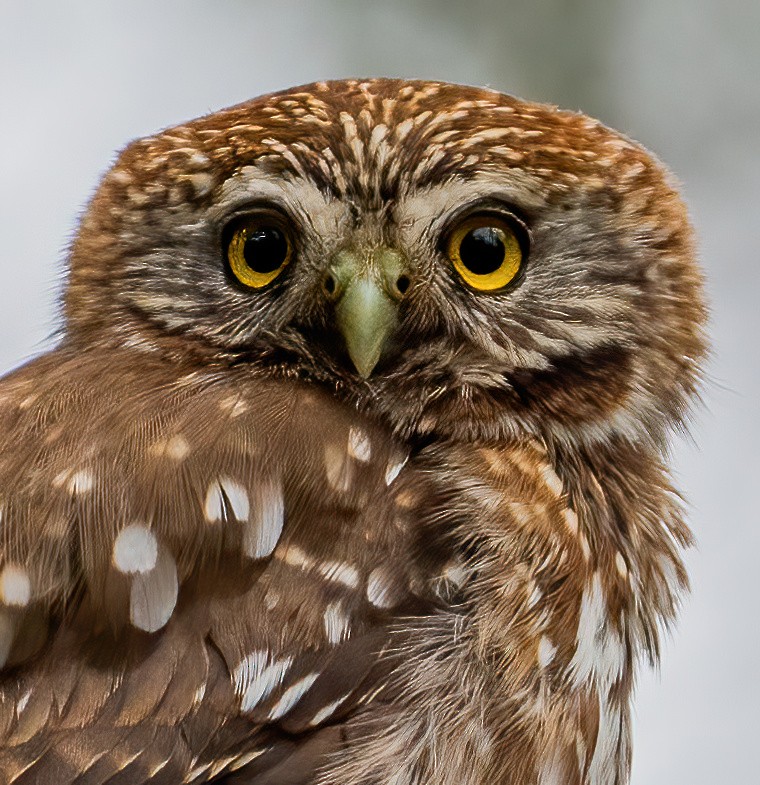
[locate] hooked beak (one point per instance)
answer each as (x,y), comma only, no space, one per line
(366,289)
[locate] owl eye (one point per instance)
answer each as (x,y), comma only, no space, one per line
(258,250)
(486,252)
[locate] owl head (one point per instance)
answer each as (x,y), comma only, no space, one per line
(454,261)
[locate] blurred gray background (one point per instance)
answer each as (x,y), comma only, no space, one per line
(79,79)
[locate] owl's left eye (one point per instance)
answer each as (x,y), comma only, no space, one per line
(258,249)
(486,251)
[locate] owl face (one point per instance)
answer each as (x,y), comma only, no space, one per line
(453,260)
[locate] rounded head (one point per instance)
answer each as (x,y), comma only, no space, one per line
(456,261)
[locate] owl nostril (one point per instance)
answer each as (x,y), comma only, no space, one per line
(330,286)
(402,284)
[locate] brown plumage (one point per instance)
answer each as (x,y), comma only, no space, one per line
(349,465)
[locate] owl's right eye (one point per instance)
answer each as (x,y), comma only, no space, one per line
(258,249)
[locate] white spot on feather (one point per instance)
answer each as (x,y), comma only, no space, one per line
(292,695)
(546,651)
(380,591)
(585,548)
(337,624)
(202,183)
(196,772)
(599,653)
(394,469)
(176,448)
(327,711)
(236,496)
(359,445)
(135,549)
(22,702)
(213,507)
(296,557)
(15,586)
(621,566)
(153,595)
(607,752)
(552,480)
(244,760)
(456,573)
(76,482)
(222,492)
(340,471)
(340,572)
(571,519)
(256,676)
(267,519)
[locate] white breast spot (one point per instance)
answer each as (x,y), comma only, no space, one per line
(292,695)
(15,586)
(135,549)
(359,446)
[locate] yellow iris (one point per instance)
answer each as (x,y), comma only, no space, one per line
(258,252)
(486,252)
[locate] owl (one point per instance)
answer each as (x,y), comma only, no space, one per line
(349,466)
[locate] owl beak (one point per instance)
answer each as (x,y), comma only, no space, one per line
(366,292)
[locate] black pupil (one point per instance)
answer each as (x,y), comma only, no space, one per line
(482,250)
(265,249)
